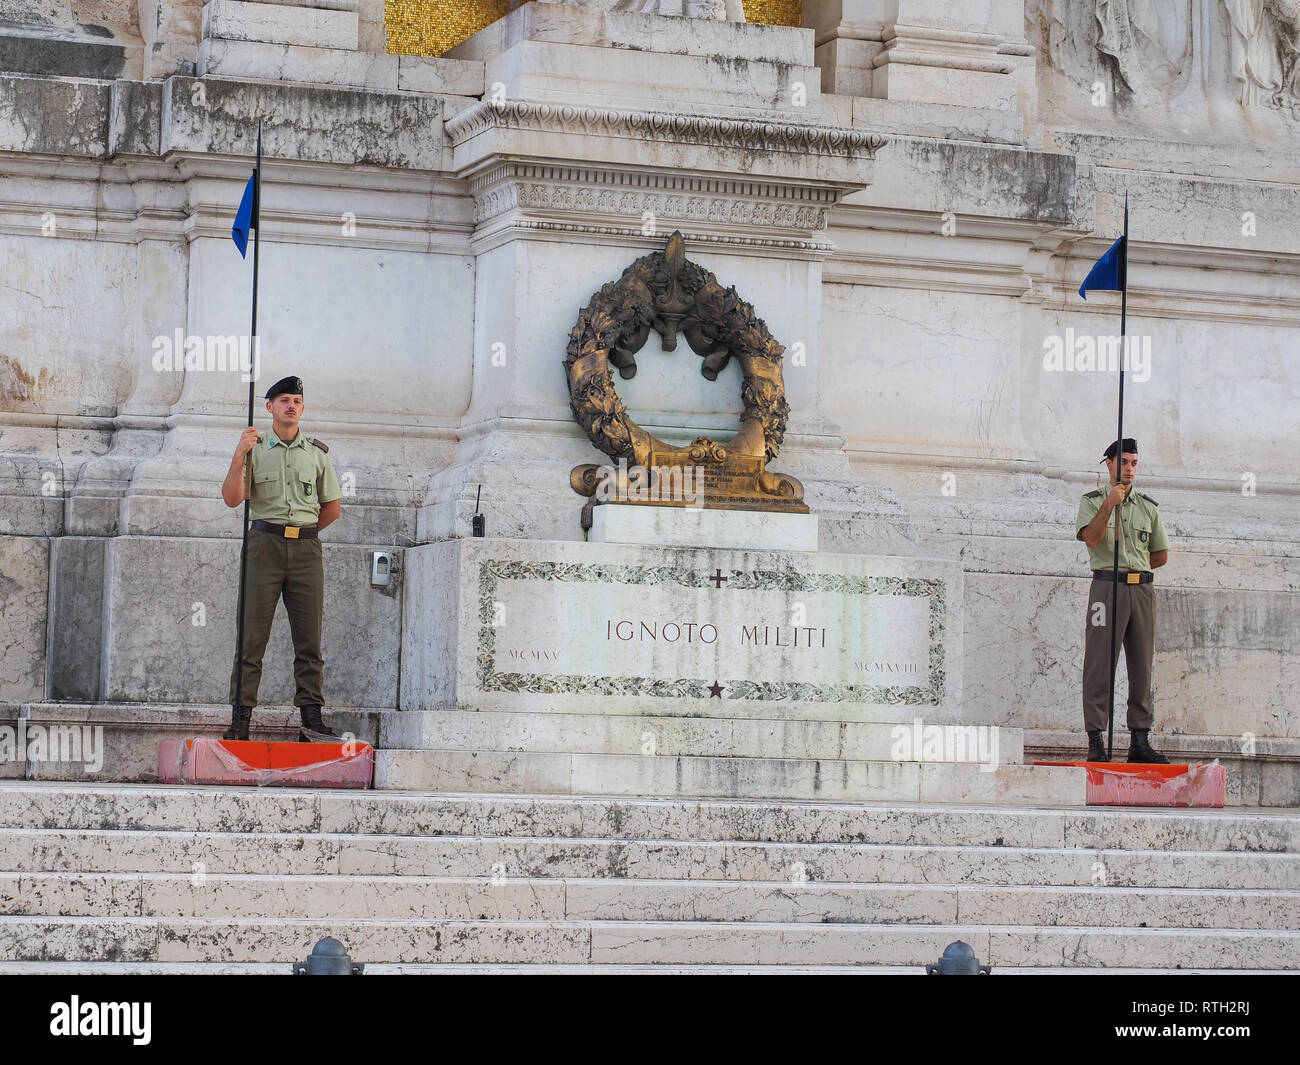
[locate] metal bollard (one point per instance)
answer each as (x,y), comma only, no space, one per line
(958,960)
(328,958)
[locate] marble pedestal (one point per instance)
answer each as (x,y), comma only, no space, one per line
(598,668)
(656,526)
(545,626)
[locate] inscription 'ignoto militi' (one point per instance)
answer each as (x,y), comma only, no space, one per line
(674,632)
(694,632)
(771,636)
(653,631)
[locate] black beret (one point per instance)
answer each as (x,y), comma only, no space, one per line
(1130,448)
(290,385)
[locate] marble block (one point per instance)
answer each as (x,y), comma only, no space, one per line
(239,20)
(611,628)
(324,5)
(171,629)
(602,27)
(340,66)
(627,523)
(456,77)
(24,588)
(581,76)
(292,62)
(561,54)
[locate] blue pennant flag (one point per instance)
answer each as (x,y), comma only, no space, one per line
(1107,274)
(244,219)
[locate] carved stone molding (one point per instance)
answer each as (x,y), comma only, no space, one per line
(630,195)
(820,248)
(932,46)
(738,133)
(754,184)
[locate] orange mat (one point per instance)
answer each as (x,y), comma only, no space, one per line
(204,760)
(1124,784)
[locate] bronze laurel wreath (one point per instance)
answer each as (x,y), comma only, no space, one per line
(666,292)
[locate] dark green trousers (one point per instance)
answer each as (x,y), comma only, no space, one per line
(289,569)
(1136,636)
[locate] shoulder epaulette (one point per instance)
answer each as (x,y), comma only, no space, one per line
(1149,499)
(321,444)
(1093,495)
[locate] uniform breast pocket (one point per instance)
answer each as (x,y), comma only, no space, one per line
(304,473)
(1142,533)
(267,486)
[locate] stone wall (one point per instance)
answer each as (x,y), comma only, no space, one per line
(425,254)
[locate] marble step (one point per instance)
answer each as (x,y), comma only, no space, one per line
(180,968)
(669,736)
(136,807)
(633,943)
(425,898)
(89,851)
(843,780)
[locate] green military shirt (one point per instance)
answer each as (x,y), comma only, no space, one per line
(1141,530)
(290,481)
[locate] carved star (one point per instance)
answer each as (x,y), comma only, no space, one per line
(715,689)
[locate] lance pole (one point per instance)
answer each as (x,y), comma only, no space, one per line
(1119,478)
(252,361)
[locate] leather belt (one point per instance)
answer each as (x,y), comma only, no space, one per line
(1140,577)
(289,532)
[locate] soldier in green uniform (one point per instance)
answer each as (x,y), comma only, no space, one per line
(292,493)
(1143,547)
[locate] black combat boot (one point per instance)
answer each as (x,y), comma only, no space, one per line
(1139,750)
(240,719)
(313,728)
(1096,747)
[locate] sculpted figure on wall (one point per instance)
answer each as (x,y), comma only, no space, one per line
(1265,45)
(1150,40)
(1199,64)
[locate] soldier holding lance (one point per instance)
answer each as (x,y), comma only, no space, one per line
(1143,548)
(293,494)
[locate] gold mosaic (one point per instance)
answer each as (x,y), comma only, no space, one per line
(431,27)
(774,12)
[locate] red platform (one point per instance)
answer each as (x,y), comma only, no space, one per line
(1122,784)
(202,760)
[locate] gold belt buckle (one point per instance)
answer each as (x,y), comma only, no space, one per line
(1133,578)
(291,532)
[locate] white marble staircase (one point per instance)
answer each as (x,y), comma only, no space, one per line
(719,755)
(706,756)
(145,878)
